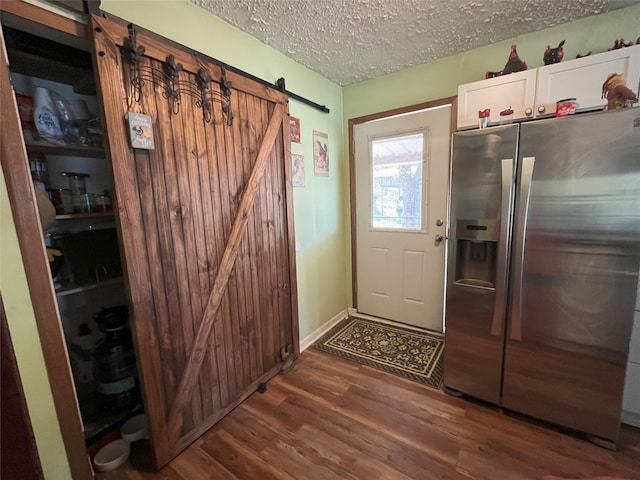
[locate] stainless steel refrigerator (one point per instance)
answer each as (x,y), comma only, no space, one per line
(542,268)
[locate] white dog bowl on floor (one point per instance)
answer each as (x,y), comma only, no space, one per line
(135,428)
(112,455)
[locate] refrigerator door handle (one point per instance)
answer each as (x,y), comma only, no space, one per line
(521,229)
(499,309)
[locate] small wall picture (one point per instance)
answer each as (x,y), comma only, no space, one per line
(294,128)
(297,170)
(320,154)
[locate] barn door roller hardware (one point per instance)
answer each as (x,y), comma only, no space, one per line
(173,86)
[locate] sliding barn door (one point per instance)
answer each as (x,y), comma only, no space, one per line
(206,226)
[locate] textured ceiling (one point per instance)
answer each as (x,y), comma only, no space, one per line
(348,41)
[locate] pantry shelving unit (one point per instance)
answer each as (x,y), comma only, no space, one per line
(41,65)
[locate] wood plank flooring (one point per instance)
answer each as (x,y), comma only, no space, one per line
(331,419)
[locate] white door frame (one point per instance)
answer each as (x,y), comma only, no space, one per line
(352,169)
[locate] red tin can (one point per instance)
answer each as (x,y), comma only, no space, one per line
(565,107)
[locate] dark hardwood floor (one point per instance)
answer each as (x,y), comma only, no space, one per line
(331,419)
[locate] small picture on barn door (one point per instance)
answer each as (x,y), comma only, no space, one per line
(320,154)
(141,131)
(297,170)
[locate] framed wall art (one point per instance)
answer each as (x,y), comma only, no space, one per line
(297,170)
(320,154)
(294,129)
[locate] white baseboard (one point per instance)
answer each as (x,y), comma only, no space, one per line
(631,418)
(315,335)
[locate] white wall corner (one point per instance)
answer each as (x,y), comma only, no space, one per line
(316,334)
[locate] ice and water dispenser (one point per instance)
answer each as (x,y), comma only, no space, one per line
(476,252)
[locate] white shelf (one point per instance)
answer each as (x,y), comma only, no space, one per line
(71,216)
(64,150)
(61,292)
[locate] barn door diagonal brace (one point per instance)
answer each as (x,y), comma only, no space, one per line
(199,347)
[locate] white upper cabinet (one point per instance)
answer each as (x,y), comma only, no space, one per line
(534,93)
(582,79)
(516,91)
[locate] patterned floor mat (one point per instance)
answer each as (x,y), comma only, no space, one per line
(413,354)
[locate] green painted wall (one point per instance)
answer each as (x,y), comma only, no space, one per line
(322,207)
(26,344)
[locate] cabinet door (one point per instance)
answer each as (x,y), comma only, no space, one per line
(206,224)
(516,90)
(582,79)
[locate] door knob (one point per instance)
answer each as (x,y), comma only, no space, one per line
(439,238)
(438,223)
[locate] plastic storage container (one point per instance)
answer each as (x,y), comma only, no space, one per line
(78,188)
(114,361)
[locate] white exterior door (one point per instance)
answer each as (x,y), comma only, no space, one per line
(402,174)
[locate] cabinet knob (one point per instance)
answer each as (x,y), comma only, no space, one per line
(541,109)
(528,112)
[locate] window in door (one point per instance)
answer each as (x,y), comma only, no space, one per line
(397,182)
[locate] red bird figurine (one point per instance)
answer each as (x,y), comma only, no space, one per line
(514,64)
(619,43)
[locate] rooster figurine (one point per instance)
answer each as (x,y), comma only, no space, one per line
(616,92)
(514,64)
(553,55)
(620,43)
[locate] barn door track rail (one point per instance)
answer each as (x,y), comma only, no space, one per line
(281,84)
(173,86)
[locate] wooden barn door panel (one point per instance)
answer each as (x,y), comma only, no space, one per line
(206,227)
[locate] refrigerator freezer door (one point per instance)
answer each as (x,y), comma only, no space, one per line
(574,270)
(482,189)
